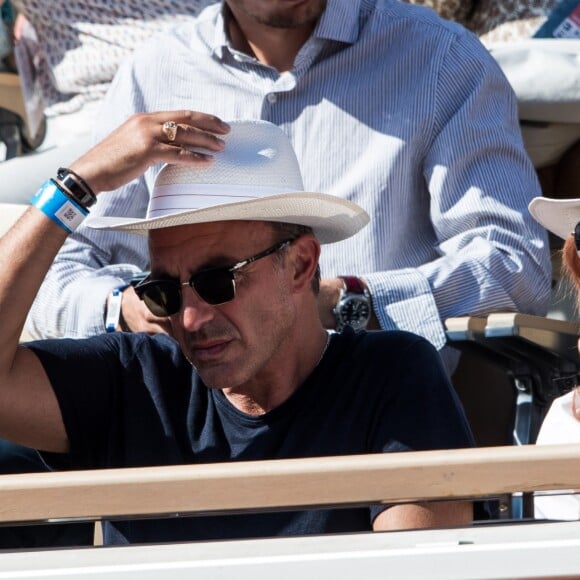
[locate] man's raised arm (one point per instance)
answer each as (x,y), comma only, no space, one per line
(29,412)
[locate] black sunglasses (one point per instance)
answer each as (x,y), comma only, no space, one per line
(214,285)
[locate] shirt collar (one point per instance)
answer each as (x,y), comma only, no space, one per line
(220,40)
(339,22)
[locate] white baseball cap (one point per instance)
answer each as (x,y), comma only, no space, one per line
(559,216)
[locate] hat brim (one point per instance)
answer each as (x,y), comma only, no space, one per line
(332,219)
(559,216)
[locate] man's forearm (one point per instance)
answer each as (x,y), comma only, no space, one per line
(425,515)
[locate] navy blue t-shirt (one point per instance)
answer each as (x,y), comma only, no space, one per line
(131,400)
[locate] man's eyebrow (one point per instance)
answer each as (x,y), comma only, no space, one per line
(214,262)
(161,275)
(218,262)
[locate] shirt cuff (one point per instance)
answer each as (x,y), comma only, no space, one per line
(95,292)
(82,313)
(402,299)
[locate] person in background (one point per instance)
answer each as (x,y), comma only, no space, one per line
(425,140)
(562,422)
(252,374)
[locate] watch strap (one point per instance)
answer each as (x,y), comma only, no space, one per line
(353,285)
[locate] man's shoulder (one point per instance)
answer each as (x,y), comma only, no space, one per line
(420,15)
(396,351)
(123,346)
(417,23)
(395,342)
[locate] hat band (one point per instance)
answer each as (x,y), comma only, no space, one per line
(173,198)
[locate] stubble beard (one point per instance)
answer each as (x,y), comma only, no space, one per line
(240,368)
(287,19)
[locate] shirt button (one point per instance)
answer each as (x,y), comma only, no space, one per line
(272,98)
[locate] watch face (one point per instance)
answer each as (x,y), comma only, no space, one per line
(355,311)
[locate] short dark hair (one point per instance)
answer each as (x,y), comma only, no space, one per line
(285,231)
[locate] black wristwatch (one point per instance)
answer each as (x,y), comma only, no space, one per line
(354,305)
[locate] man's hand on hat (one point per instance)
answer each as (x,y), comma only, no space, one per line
(146,139)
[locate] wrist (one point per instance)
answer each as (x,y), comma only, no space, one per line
(353,307)
(56,204)
(76,187)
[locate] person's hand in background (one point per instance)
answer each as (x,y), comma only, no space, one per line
(136,317)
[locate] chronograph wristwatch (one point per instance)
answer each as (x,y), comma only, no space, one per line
(354,305)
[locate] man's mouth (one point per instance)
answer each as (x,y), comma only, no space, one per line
(210,350)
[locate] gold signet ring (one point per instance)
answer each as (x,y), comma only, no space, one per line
(170,130)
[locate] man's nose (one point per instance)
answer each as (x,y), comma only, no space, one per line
(195,312)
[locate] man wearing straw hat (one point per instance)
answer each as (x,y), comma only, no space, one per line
(234,243)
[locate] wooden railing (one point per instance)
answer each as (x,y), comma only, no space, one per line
(504,550)
(348,480)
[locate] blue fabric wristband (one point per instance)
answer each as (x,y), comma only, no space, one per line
(58,206)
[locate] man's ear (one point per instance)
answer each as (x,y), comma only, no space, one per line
(305,255)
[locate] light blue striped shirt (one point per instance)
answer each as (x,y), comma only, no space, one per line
(387,105)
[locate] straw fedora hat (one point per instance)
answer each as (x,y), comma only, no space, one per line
(559,216)
(255,177)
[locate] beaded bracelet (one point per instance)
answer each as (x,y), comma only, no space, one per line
(64,211)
